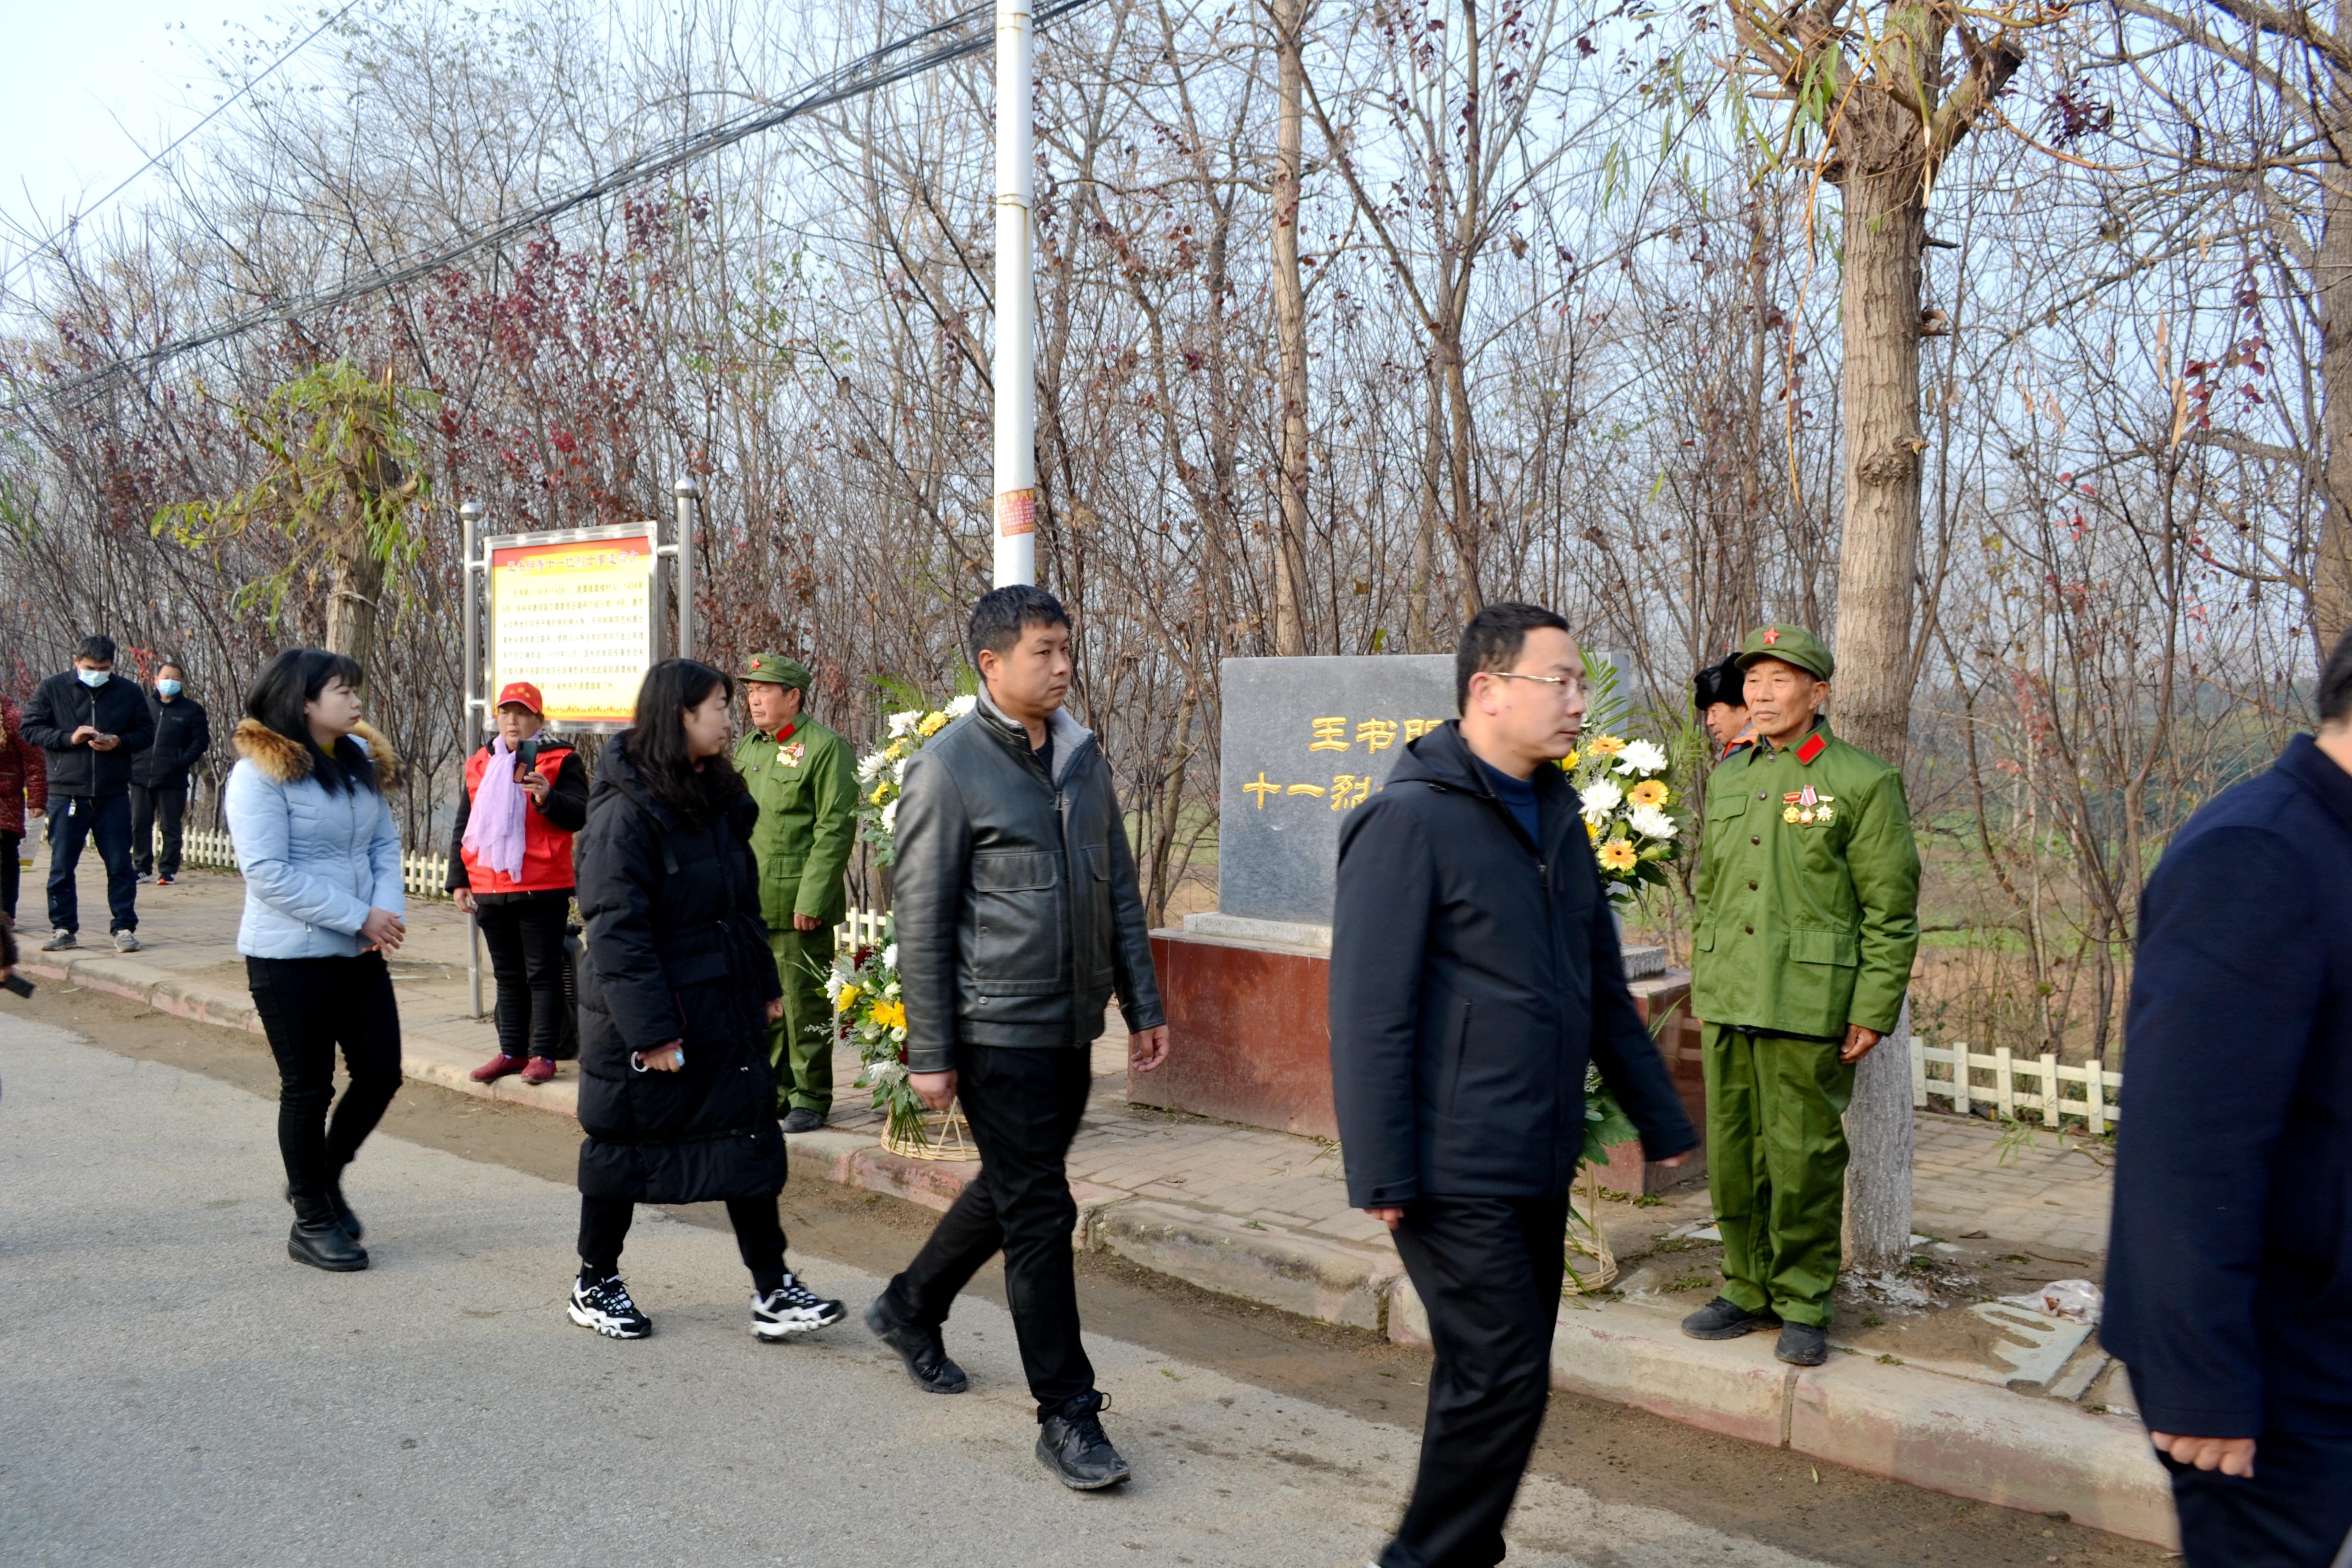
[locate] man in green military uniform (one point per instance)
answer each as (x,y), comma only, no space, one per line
(801,774)
(1807,898)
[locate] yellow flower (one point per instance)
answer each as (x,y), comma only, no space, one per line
(1568,763)
(931,725)
(1617,854)
(1649,792)
(890,1015)
(847,999)
(895,750)
(881,793)
(1592,829)
(1607,746)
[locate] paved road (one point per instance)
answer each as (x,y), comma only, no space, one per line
(172,1388)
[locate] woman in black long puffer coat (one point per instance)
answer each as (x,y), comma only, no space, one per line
(674,1090)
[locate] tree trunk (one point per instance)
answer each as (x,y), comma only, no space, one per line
(1879,558)
(1289,329)
(2331,571)
(352,604)
(1878,1138)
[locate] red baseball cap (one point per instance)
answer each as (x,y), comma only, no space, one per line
(524,692)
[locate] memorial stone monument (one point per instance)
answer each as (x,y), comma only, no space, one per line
(1304,742)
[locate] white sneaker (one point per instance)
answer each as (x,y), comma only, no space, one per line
(791,1308)
(606,1306)
(125,941)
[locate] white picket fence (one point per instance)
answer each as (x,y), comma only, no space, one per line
(423,876)
(1997,1079)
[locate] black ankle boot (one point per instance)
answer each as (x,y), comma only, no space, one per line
(319,1239)
(343,1215)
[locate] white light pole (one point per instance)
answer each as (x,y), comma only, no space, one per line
(1016,381)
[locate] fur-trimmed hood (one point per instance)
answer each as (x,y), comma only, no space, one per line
(288,762)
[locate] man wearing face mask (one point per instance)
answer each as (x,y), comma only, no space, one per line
(92,726)
(159,775)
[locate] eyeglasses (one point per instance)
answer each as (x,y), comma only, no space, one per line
(1568,687)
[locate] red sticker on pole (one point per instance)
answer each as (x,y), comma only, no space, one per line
(1016,513)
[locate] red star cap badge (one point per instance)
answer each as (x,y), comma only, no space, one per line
(1771,636)
(1813,747)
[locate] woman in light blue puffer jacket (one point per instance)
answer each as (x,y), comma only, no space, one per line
(323,904)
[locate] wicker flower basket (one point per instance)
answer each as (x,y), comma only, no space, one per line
(944,1136)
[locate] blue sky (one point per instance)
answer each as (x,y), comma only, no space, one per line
(98,85)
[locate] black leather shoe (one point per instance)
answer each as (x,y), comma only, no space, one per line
(801,1119)
(1723,1319)
(922,1350)
(1072,1446)
(320,1240)
(343,1215)
(1803,1344)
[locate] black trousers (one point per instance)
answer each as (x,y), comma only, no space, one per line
(73,821)
(759,1236)
(1488,1270)
(307,1007)
(166,807)
(10,872)
(2293,1511)
(524,932)
(1024,1106)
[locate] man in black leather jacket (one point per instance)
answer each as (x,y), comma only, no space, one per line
(1018,917)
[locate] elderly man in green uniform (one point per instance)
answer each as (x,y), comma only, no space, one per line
(801,774)
(1807,897)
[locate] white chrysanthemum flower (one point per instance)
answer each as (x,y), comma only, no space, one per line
(1641,757)
(1652,822)
(870,767)
(1601,798)
(891,814)
(890,958)
(898,1035)
(903,724)
(891,989)
(898,769)
(885,1073)
(832,982)
(961,706)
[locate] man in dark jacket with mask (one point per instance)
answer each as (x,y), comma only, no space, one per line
(1475,972)
(1018,916)
(2230,1270)
(159,775)
(92,726)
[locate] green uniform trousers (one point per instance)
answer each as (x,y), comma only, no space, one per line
(1776,1158)
(800,1044)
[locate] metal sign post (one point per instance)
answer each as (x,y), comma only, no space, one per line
(1016,381)
(689,496)
(469,700)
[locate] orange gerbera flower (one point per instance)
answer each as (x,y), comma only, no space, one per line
(1649,792)
(1617,854)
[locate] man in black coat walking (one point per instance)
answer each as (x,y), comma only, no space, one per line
(1018,917)
(92,726)
(159,775)
(1475,972)
(2230,1268)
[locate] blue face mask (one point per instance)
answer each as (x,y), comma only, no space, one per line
(93,677)
(167,688)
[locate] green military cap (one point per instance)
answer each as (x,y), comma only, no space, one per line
(1789,645)
(776,670)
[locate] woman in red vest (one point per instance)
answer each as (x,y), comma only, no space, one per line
(510,869)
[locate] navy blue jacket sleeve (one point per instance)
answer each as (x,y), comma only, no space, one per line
(1629,1058)
(1380,929)
(2226,983)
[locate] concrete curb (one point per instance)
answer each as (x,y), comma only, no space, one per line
(1940,1432)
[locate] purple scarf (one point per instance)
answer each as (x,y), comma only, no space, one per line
(494,830)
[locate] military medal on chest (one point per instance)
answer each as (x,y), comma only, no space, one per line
(789,755)
(1805,807)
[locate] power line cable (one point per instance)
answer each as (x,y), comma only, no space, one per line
(892,63)
(173,145)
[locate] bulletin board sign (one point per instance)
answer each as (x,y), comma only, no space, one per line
(573,612)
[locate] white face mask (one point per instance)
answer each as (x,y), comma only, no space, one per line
(93,677)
